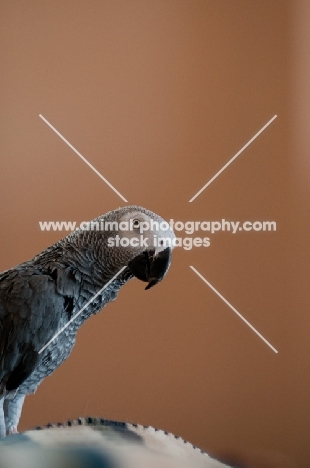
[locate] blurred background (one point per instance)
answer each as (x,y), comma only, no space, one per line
(158,95)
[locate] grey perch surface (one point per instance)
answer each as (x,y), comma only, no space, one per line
(100,443)
(41,296)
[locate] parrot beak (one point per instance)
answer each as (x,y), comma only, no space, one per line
(150,266)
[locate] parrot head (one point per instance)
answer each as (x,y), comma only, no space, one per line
(143,241)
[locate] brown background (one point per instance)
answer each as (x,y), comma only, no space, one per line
(158,95)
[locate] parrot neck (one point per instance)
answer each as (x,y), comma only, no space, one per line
(80,275)
(81,268)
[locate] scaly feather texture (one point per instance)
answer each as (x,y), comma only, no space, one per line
(40,296)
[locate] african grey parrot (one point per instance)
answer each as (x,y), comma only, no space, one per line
(40,297)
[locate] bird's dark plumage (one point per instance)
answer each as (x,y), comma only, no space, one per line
(39,297)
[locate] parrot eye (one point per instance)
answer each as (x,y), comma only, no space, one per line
(136,223)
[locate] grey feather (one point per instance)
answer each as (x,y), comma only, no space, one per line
(40,296)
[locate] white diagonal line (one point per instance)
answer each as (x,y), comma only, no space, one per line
(81,310)
(82,157)
(235,310)
(233,158)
